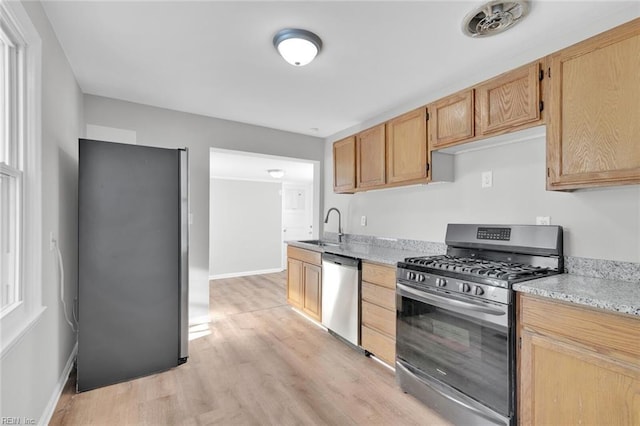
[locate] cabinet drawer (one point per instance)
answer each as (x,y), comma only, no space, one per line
(379,274)
(308,256)
(378,318)
(380,345)
(606,332)
(381,296)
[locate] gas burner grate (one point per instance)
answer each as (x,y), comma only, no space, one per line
(480,267)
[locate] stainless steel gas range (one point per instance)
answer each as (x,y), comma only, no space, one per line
(455,340)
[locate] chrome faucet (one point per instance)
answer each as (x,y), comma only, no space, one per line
(326,220)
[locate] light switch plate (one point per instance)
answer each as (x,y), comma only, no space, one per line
(487,179)
(363,221)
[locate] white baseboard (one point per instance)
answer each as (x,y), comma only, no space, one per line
(199,320)
(55,396)
(245,274)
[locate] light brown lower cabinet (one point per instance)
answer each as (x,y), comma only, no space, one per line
(312,290)
(304,281)
(378,330)
(577,365)
(379,344)
(294,282)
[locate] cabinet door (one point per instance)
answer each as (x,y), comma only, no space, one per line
(452,119)
(370,157)
(312,301)
(594,105)
(565,384)
(294,282)
(344,165)
(407,147)
(510,100)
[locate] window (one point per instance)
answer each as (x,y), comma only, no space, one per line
(11,169)
(20,174)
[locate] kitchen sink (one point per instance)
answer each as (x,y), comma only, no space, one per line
(320,243)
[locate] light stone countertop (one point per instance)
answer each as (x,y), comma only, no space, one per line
(610,295)
(372,253)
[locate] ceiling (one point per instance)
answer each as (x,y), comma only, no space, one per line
(216,58)
(248,166)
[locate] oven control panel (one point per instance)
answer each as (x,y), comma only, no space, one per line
(454,285)
(496,234)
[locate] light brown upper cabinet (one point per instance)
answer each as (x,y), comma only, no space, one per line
(593,126)
(509,100)
(407,147)
(371,157)
(344,165)
(451,119)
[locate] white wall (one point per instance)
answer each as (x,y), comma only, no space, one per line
(246,223)
(32,370)
(166,128)
(602,223)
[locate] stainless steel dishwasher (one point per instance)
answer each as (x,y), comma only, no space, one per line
(341,296)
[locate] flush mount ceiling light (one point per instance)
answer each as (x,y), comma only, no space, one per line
(494,17)
(296,46)
(276,173)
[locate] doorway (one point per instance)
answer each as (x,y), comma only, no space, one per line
(253,212)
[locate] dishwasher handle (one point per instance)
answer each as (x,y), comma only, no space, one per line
(341,260)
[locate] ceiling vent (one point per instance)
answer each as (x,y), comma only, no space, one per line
(494,17)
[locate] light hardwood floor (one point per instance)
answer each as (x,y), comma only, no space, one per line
(257,363)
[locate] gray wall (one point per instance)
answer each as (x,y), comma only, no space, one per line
(34,367)
(246,226)
(166,128)
(602,223)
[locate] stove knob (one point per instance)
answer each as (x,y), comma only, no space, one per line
(464,287)
(478,291)
(441,282)
(420,277)
(411,275)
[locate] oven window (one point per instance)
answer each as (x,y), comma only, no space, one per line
(467,354)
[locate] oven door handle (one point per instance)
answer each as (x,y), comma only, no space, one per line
(425,297)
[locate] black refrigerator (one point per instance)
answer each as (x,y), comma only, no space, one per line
(132,261)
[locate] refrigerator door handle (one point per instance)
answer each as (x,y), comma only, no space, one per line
(184,256)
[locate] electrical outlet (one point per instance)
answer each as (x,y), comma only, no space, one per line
(543,220)
(363,221)
(487,179)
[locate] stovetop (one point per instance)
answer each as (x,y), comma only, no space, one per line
(506,271)
(487,255)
